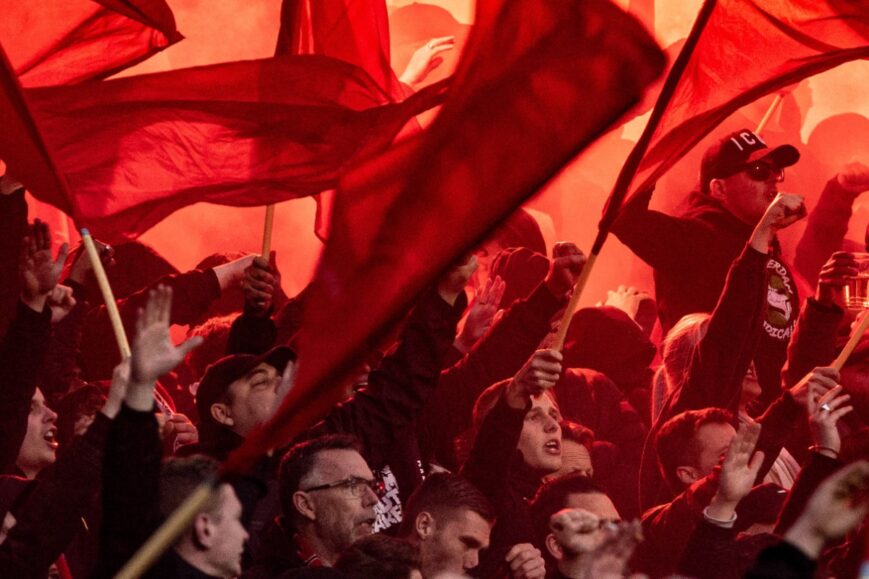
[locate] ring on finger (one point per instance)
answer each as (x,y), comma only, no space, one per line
(826,407)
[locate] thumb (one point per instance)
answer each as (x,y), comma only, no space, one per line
(756,461)
(188,345)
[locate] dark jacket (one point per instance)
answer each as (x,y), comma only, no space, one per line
(496,468)
(691,256)
(498,355)
(22,351)
(720,361)
(52,514)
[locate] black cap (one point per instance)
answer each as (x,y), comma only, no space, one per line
(218,376)
(732,153)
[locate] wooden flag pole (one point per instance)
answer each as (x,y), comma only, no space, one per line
(840,360)
(564,324)
(106,290)
(768,115)
(168,532)
(267,231)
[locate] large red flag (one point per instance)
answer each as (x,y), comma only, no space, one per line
(538,81)
(51,42)
(748,49)
(133,150)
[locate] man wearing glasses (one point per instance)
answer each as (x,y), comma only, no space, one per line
(691,253)
(327,496)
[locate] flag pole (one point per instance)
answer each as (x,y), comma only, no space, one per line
(840,360)
(106,290)
(632,164)
(169,531)
(768,115)
(267,230)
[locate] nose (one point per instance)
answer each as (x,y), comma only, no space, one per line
(370,498)
(472,559)
(48,415)
(551,425)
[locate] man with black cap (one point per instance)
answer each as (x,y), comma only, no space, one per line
(691,254)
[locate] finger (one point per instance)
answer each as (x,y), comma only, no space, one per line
(62,254)
(185,347)
(166,309)
(43,237)
(836,415)
(514,552)
(756,462)
(810,398)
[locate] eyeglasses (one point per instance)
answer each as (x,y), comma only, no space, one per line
(763,171)
(357,486)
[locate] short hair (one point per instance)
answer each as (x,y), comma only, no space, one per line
(578,433)
(675,442)
(179,477)
(552,496)
(379,556)
(442,494)
(299,462)
(215,335)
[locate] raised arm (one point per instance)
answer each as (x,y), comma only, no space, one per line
(724,354)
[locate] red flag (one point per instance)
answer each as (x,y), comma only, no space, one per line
(134,150)
(51,42)
(355,31)
(746,50)
(537,82)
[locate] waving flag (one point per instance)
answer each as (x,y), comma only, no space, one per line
(538,81)
(51,42)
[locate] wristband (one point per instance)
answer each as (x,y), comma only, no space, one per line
(818,448)
(728,524)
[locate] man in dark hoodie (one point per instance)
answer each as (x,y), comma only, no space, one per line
(691,254)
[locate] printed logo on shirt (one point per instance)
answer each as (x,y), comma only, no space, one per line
(782,302)
(388,509)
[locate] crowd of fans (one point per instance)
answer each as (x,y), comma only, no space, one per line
(469,445)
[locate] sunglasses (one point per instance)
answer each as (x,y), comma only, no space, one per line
(356,485)
(763,171)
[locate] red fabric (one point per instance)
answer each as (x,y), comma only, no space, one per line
(355,31)
(750,48)
(537,82)
(51,42)
(134,150)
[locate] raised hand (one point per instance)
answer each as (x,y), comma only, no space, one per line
(61,302)
(425,59)
(525,562)
(39,271)
(118,389)
(738,472)
(540,373)
(824,414)
(565,267)
(834,276)
(786,209)
(260,280)
(820,379)
(481,314)
(154,354)
(839,504)
(177,431)
(854,178)
(576,530)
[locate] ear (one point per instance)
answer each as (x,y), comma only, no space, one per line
(687,474)
(717,189)
(304,506)
(203,534)
(222,414)
(424,525)
(554,547)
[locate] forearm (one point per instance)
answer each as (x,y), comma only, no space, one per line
(825,231)
(725,352)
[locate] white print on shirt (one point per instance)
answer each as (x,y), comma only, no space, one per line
(782,302)
(388,509)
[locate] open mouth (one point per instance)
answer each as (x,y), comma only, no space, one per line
(552,447)
(51,438)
